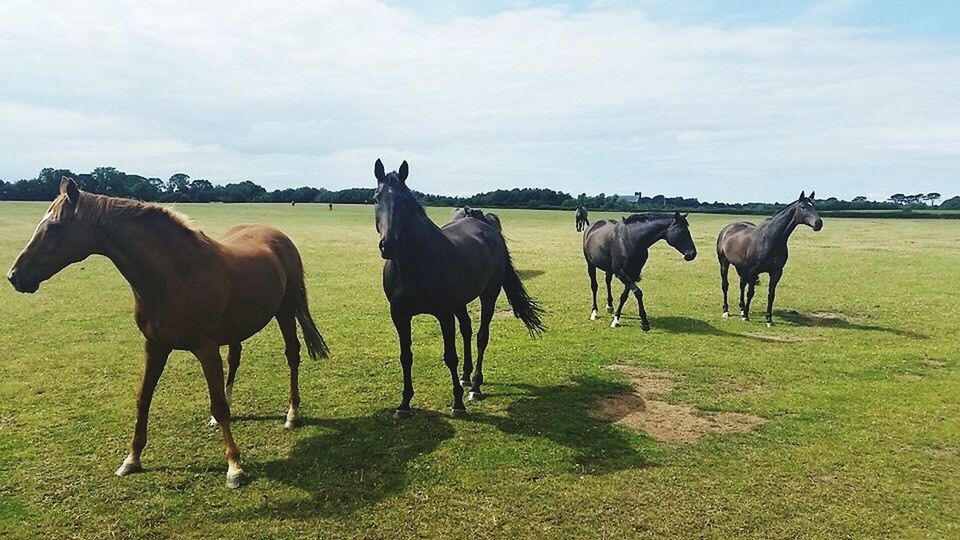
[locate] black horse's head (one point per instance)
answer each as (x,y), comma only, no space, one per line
(394,207)
(678,236)
(806,213)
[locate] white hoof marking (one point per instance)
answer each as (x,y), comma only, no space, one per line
(593,315)
(769,325)
(726,314)
(212,422)
(615,323)
(129,466)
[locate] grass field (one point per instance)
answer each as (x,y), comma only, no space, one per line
(858,384)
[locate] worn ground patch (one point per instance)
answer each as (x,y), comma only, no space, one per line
(643,409)
(775,338)
(910,377)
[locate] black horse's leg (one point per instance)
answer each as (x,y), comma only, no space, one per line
(401,321)
(592,272)
(725,285)
(644,324)
(466,332)
(449,330)
(609,279)
(623,300)
(772,293)
(743,299)
(488,302)
(751,286)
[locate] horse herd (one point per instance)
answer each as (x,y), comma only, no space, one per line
(194,293)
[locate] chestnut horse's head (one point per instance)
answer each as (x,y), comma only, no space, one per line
(60,239)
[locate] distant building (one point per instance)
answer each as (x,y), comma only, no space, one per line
(635,198)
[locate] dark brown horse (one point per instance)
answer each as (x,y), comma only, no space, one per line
(438,271)
(581,218)
(190,292)
(757,249)
(621,249)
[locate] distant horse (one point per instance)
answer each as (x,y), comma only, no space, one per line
(757,249)
(438,271)
(581,218)
(621,249)
(466,211)
(331,206)
(190,292)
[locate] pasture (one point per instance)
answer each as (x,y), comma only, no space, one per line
(856,386)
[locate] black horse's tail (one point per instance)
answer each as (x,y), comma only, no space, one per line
(524,307)
(316,347)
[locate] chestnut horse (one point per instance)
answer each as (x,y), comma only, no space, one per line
(190,292)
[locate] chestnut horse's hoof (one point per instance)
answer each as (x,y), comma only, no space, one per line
(236,478)
(129,466)
(400,414)
(291,423)
(458,413)
(476,396)
(212,422)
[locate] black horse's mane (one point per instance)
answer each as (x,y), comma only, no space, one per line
(644,218)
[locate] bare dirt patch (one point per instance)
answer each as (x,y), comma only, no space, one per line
(666,422)
(935,363)
(910,377)
(941,454)
(503,314)
(775,338)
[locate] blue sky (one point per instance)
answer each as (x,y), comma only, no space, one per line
(749,100)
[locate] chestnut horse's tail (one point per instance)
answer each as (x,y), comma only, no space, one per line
(524,306)
(316,347)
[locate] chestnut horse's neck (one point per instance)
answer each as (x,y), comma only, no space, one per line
(153,249)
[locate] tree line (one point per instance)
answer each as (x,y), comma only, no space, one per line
(181,188)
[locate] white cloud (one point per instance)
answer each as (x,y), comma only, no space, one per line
(598,100)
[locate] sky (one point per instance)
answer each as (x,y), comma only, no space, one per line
(749,100)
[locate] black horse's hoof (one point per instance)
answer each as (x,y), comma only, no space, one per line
(609,309)
(400,414)
(476,396)
(458,413)
(645,327)
(465,383)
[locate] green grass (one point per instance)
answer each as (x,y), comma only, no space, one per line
(851,447)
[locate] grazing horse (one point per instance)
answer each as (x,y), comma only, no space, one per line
(190,292)
(466,211)
(756,249)
(582,221)
(438,271)
(621,249)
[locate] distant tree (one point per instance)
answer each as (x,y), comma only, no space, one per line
(898,198)
(178,183)
(859,199)
(932,198)
(953,203)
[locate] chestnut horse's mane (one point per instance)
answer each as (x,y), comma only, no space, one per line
(106,211)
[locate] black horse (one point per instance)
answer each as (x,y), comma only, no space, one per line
(467,211)
(757,249)
(621,249)
(438,272)
(582,221)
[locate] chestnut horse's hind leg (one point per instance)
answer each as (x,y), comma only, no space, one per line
(233,363)
(212,364)
(466,332)
(401,322)
(488,302)
(156,359)
(448,328)
(288,327)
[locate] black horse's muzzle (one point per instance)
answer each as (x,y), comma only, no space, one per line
(690,255)
(388,248)
(818,224)
(22,284)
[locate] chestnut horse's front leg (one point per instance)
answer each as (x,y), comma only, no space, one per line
(212,364)
(156,358)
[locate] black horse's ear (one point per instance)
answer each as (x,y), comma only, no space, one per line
(404,171)
(68,187)
(812,195)
(676,215)
(378,171)
(685,215)
(802,193)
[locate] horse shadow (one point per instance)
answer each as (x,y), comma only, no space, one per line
(353,463)
(689,325)
(838,321)
(529,274)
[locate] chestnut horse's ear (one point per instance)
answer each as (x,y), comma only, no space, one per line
(404,171)
(68,187)
(802,193)
(378,171)
(812,195)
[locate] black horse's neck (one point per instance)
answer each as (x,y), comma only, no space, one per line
(644,234)
(420,244)
(776,230)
